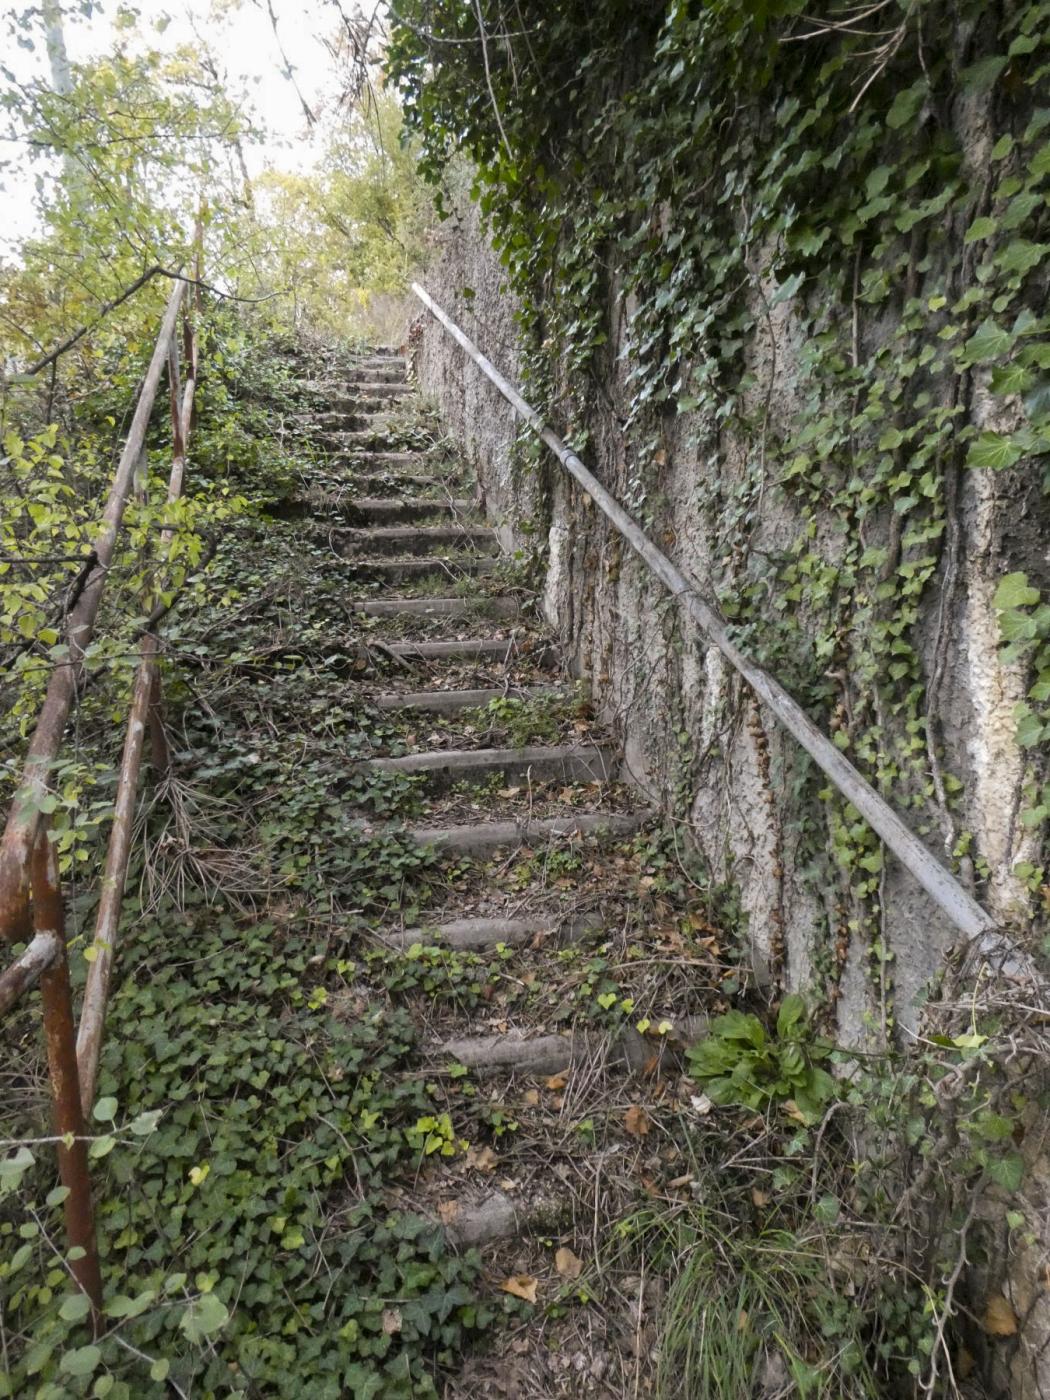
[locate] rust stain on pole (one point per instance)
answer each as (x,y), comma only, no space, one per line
(49,921)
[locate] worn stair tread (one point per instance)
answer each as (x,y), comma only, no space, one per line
(471,647)
(440,607)
(452,701)
(516,1052)
(479,838)
(407,505)
(416,539)
(471,934)
(483,1215)
(395,510)
(453,566)
(392,480)
(570,763)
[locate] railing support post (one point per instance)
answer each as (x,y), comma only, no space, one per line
(60,1034)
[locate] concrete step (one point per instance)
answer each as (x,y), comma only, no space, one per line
(391,483)
(564,763)
(519,1053)
(358,441)
(483,838)
(450,702)
(390,508)
(381,390)
(470,649)
(375,374)
(480,606)
(412,539)
(450,566)
(473,935)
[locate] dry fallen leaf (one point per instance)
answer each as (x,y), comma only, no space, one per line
(391,1321)
(448,1210)
(701,1104)
(558,1081)
(532,1097)
(567,1264)
(680,1181)
(482,1159)
(522,1286)
(636,1120)
(509,792)
(999,1319)
(793,1111)
(760,1198)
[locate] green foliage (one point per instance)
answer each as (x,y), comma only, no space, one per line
(739,1062)
(1024,621)
(259,1097)
(256,1209)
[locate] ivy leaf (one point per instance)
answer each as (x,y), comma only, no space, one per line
(1020,256)
(982,75)
(905,105)
(204,1315)
(81,1362)
(1014,592)
(994,451)
(75,1307)
(1011,379)
(787,288)
(1030,730)
(980,228)
(1007,1172)
(988,342)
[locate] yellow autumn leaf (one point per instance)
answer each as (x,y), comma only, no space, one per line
(521,1286)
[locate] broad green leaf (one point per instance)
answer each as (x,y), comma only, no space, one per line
(988,342)
(1007,1172)
(905,105)
(204,1315)
(75,1307)
(1014,592)
(80,1362)
(980,228)
(994,451)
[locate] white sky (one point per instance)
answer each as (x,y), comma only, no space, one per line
(240,34)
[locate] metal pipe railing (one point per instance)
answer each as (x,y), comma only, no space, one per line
(29,877)
(940,884)
(143,712)
(23,822)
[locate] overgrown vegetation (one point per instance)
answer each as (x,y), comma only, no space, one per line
(814,252)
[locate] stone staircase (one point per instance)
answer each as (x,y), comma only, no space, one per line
(544,827)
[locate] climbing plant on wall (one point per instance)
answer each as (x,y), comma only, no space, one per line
(867,192)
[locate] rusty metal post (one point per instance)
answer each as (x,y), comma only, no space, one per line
(111,896)
(59,1031)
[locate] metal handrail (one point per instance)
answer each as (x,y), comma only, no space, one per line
(939,883)
(29,877)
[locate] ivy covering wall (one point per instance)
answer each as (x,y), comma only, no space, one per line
(783,279)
